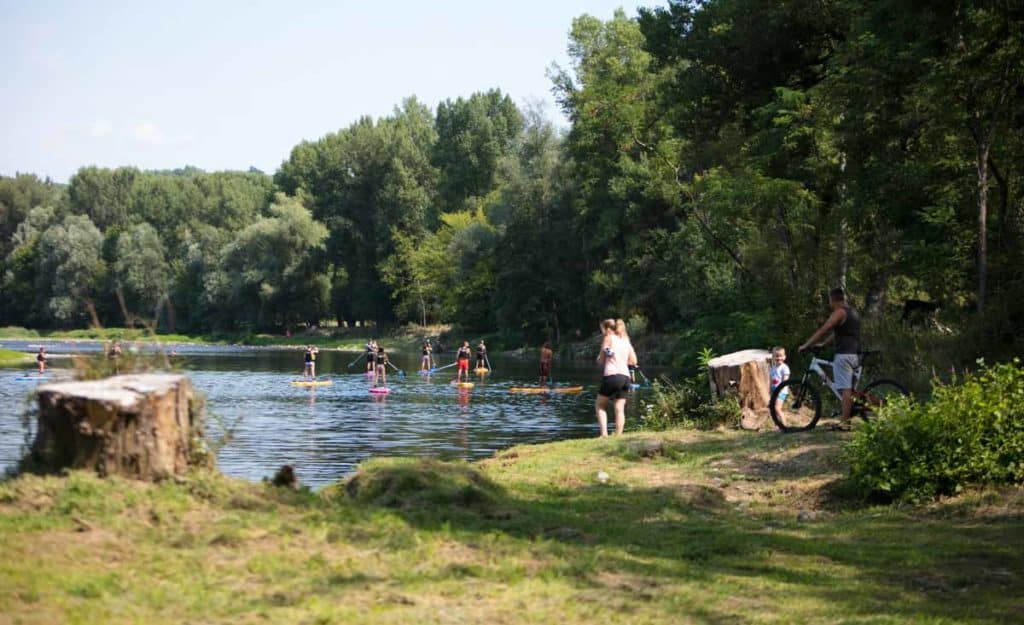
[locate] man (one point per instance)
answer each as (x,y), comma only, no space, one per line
(844,324)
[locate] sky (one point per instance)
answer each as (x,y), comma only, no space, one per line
(229,85)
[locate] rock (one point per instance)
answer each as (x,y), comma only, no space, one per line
(805,516)
(602,477)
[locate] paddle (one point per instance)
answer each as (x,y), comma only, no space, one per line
(646,381)
(436,369)
(358,358)
(401,374)
(488,361)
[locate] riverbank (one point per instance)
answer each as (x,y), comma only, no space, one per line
(688,527)
(339,340)
(11,358)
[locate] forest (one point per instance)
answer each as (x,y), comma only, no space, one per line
(726,163)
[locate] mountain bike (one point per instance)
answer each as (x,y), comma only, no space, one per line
(796,404)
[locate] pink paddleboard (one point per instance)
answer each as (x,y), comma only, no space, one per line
(380,390)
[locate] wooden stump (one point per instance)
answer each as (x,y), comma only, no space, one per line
(746,374)
(138,426)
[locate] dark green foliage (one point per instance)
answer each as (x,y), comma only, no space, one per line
(688,404)
(968,433)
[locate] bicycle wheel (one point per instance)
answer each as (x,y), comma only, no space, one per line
(875,395)
(795,406)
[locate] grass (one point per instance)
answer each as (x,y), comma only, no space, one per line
(343,340)
(720,527)
(11,358)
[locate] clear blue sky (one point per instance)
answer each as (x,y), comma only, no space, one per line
(226,85)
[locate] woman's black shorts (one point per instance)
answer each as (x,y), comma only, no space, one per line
(615,386)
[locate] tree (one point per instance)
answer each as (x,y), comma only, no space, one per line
(70,268)
(141,272)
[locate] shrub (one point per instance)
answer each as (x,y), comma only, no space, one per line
(968,433)
(688,404)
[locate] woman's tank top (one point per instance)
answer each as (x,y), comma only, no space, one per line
(618,362)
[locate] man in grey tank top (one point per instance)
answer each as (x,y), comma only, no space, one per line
(844,326)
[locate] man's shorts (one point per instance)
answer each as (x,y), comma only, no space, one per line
(843,366)
(463,364)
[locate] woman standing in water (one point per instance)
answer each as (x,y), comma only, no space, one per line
(615,356)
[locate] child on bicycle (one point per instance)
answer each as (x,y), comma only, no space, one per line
(778,373)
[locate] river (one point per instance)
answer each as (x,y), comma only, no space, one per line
(325,432)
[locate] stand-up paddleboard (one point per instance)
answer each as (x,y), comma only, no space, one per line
(542,390)
(481,370)
(312,382)
(463,384)
(380,390)
(30,378)
(634,386)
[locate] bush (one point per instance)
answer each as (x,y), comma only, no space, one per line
(688,404)
(969,433)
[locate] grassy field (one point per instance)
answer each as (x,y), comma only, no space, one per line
(399,340)
(708,528)
(10,358)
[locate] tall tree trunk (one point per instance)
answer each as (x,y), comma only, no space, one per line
(983,149)
(844,255)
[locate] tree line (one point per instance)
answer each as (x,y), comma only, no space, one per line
(727,162)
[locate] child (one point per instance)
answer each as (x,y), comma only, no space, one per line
(778,374)
(381,372)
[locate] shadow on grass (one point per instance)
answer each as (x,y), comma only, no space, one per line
(866,563)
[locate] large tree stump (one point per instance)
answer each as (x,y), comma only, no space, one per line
(746,374)
(137,426)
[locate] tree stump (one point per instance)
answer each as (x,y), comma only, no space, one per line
(746,374)
(137,426)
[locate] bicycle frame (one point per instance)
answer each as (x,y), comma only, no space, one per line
(817,367)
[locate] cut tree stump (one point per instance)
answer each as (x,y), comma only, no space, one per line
(746,374)
(137,426)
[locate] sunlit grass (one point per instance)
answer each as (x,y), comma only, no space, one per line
(710,528)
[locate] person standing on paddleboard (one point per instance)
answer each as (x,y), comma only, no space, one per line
(481,356)
(371,355)
(545,363)
(615,357)
(425,364)
(462,360)
(380,374)
(309,371)
(41,360)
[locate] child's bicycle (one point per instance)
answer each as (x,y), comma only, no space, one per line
(795,405)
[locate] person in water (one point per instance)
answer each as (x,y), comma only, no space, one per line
(115,355)
(462,360)
(371,355)
(546,355)
(481,356)
(380,373)
(425,362)
(310,361)
(41,360)
(615,357)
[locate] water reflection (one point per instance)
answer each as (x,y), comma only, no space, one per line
(325,431)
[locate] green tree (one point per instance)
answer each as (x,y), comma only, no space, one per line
(70,268)
(141,272)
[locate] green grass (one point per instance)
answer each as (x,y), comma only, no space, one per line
(707,531)
(354,341)
(11,358)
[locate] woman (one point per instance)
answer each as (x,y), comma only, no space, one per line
(309,371)
(425,364)
(380,373)
(616,355)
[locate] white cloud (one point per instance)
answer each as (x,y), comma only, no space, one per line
(100,128)
(147,132)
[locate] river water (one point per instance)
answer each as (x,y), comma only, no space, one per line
(325,432)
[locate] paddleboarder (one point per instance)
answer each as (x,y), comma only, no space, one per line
(309,371)
(481,356)
(381,371)
(41,360)
(462,360)
(425,363)
(546,355)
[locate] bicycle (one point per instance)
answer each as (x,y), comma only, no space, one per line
(801,400)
